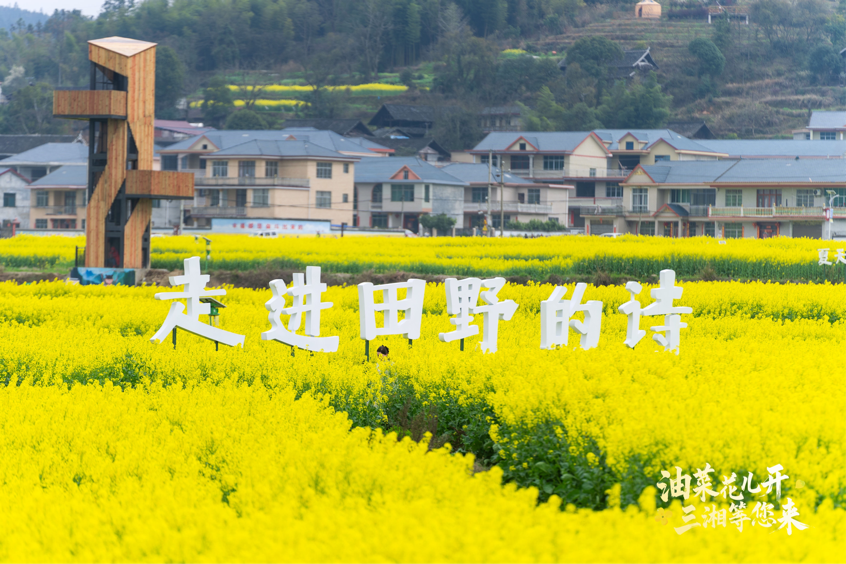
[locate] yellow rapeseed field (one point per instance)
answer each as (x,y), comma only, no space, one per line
(772,259)
(113,448)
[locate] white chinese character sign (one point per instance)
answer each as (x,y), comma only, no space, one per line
(462,302)
(664,296)
(493,312)
(194,283)
(411,308)
(305,293)
(556,323)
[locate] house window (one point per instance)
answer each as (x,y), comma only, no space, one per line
(521,198)
(593,173)
(402,193)
(709,229)
(203,164)
(324,199)
(261,198)
(640,200)
(613,190)
(553,162)
(480,194)
(733,230)
(345,198)
(679,196)
(214,198)
(485,160)
(42,199)
(496,222)
(585,189)
(828,136)
(271,169)
(240,198)
(805,198)
(376,196)
(647,228)
(519,162)
(324,170)
(355,199)
(734,198)
(9,200)
(522,146)
(246,169)
(157,203)
(769,198)
(220,169)
(379,220)
(405,175)
(183,163)
(808,136)
(662,158)
(346,168)
(169,162)
(426,193)
(41,224)
(629,145)
(534,195)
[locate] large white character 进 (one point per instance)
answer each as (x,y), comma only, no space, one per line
(305,293)
(462,297)
(664,296)
(194,283)
(391,306)
(556,322)
(493,312)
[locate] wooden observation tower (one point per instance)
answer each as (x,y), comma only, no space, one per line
(120,108)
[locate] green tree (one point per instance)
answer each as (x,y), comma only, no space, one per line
(456,129)
(442,222)
(218,102)
(825,64)
(711,60)
(245,120)
(643,106)
(30,111)
(594,54)
(170,77)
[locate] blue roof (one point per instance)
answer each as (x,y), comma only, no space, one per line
(225,140)
(477,173)
(544,141)
(279,149)
(771,171)
(650,137)
(738,148)
(381,170)
(50,154)
(827,120)
(72,176)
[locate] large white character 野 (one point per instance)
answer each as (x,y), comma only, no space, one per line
(461,297)
(305,293)
(194,283)
(493,312)
(411,306)
(556,322)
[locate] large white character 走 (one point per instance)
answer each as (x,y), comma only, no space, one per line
(195,288)
(556,322)
(411,306)
(461,296)
(306,299)
(494,311)
(664,296)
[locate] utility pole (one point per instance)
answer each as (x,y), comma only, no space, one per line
(488,198)
(501,199)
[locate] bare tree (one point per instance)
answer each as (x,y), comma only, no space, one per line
(372,33)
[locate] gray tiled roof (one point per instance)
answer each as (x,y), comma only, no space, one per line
(267,148)
(650,137)
(381,170)
(827,120)
(477,173)
(50,153)
(545,141)
(15,144)
(64,176)
(224,140)
(776,148)
(803,171)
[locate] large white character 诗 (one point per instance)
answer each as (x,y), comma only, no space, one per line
(664,296)
(411,306)
(494,311)
(556,322)
(305,293)
(194,283)
(633,311)
(462,296)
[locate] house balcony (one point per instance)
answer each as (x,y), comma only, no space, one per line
(70,211)
(236,181)
(87,104)
(602,210)
(510,207)
(773,212)
(571,172)
(218,211)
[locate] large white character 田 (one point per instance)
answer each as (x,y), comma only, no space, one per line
(664,296)
(493,311)
(556,322)
(462,297)
(194,283)
(305,293)
(391,306)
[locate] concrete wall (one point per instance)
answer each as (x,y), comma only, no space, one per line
(14,184)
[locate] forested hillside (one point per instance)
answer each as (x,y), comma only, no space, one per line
(253,63)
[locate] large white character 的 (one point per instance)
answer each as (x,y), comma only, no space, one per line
(556,322)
